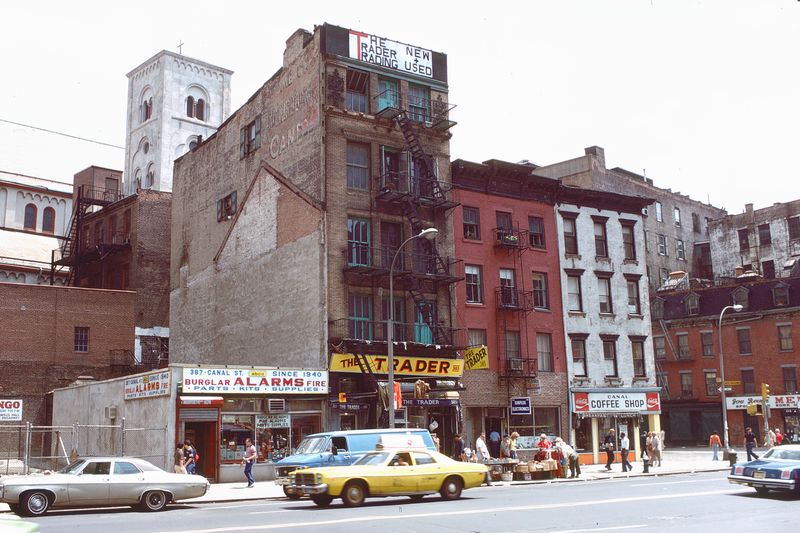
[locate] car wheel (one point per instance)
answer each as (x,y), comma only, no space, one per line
(323,500)
(291,495)
(354,494)
(417,497)
(762,490)
(34,503)
(451,488)
(155,500)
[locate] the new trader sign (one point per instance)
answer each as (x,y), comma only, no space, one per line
(391,54)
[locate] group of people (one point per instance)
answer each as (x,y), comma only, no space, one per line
(651,444)
(774,438)
(186,458)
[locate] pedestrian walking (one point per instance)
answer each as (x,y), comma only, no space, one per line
(458,449)
(609,443)
(715,445)
(179,459)
(655,445)
(624,447)
(771,439)
(643,444)
(481,450)
(188,455)
(494,443)
(248,459)
(573,459)
(750,442)
(778,437)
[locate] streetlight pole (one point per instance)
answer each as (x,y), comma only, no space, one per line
(736,308)
(427,233)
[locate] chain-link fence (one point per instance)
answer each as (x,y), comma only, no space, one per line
(28,448)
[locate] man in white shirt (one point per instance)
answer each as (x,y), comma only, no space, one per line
(482,452)
(572,456)
(625,445)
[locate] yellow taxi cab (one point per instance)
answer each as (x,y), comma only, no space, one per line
(399,466)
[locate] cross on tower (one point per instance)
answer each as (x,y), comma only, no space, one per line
(180,45)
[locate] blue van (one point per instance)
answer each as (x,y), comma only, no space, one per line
(337,448)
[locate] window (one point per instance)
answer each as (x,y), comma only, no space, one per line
(508,286)
(663,275)
(780,295)
(610,358)
(743,337)
(794,227)
(740,297)
(695,223)
(544,352)
(686,384)
(195,108)
(600,238)
(662,244)
(536,232)
(764,236)
(662,380)
(123,467)
(659,213)
(146,109)
(628,242)
(677,215)
(540,299)
(768,269)
(708,220)
(634,307)
(707,341)
(472,225)
(81,339)
(357,166)
(477,337)
(574,299)
(579,356)
(357,90)
(570,236)
(505,228)
(512,344)
(680,250)
(472,275)
(250,138)
(785,337)
(418,103)
(30,217)
(748,381)
(226,208)
(647,241)
(790,379)
(604,294)
(359,313)
(49,220)
(744,241)
(637,351)
(358,242)
(710,379)
(660,347)
(657,309)
(398,319)
(150,176)
(683,346)
(692,305)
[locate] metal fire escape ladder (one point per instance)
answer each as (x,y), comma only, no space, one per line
(70,247)
(417,152)
(659,369)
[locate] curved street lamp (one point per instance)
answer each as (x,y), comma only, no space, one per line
(737,308)
(427,233)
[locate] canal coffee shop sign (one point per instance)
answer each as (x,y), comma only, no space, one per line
(587,402)
(254,381)
(147,386)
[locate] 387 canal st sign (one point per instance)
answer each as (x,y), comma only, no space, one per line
(642,402)
(251,380)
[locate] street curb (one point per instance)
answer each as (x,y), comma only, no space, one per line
(619,475)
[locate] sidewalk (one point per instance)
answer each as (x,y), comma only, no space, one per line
(675,461)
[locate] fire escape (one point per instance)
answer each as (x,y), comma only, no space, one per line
(76,250)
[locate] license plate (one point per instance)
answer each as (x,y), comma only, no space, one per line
(759,474)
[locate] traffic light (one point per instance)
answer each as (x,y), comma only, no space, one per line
(342,397)
(755,409)
(765,391)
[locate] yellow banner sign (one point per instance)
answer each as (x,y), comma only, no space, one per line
(403,366)
(476,358)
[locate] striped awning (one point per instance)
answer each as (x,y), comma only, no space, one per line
(605,414)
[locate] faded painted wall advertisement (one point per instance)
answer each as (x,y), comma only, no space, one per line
(391,54)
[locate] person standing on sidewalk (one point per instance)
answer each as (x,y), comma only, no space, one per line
(481,450)
(655,444)
(778,437)
(624,445)
(248,459)
(609,444)
(715,445)
(179,460)
(750,442)
(572,457)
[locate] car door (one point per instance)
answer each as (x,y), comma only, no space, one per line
(91,486)
(396,477)
(126,483)
(429,472)
(343,457)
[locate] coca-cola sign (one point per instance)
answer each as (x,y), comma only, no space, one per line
(617,401)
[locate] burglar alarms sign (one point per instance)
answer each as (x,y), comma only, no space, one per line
(644,402)
(254,381)
(10,410)
(390,54)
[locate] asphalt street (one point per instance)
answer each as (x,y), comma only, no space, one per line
(693,502)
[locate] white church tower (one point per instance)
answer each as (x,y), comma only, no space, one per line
(173,102)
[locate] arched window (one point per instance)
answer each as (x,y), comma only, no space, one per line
(199,109)
(197,102)
(30,217)
(137,178)
(190,106)
(49,220)
(150,178)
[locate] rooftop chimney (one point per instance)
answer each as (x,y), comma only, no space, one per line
(294,46)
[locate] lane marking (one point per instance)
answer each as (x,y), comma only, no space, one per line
(271,512)
(614,528)
(210,506)
(715,480)
(439,514)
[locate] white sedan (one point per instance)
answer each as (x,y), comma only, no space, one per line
(99,481)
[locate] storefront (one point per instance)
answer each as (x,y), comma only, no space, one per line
(220,407)
(629,411)
(784,415)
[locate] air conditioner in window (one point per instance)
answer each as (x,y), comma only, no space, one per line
(276,405)
(515,365)
(111,412)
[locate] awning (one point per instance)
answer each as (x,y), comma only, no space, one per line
(604,414)
(201,400)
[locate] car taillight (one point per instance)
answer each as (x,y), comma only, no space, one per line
(786,474)
(738,470)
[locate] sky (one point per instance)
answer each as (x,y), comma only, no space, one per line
(700,96)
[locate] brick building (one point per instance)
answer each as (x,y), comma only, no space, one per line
(52,335)
(759,344)
(511,299)
(344,155)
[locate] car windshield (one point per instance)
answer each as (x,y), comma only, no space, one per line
(376,458)
(73,468)
(311,445)
(787,455)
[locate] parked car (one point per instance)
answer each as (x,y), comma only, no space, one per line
(402,471)
(778,469)
(338,448)
(100,481)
